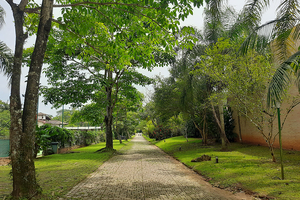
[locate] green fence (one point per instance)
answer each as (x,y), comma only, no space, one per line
(4,148)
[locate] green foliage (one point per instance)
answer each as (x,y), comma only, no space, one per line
(47,134)
(67,116)
(242,79)
(176,124)
(4,120)
(92,113)
(66,138)
(229,125)
(191,129)
(6,57)
(148,128)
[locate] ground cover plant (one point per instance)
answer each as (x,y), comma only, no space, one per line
(58,173)
(242,167)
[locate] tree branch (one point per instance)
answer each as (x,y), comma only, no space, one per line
(94,3)
(144,16)
(23,4)
(104,16)
(84,66)
(78,35)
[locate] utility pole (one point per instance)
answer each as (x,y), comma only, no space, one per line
(280,143)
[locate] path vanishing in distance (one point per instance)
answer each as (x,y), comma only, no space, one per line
(146,172)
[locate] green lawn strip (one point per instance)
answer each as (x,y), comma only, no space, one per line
(244,167)
(58,173)
(151,140)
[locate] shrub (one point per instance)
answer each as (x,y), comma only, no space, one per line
(160,133)
(47,134)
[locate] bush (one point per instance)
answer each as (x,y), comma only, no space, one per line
(160,133)
(46,134)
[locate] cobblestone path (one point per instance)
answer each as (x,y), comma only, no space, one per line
(145,172)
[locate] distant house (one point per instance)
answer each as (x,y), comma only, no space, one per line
(55,123)
(45,119)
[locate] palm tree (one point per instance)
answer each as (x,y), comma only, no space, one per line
(218,21)
(281,34)
(5,53)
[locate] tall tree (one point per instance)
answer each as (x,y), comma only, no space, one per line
(116,15)
(136,41)
(22,129)
(218,21)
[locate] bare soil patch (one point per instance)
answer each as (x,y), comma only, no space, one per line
(4,161)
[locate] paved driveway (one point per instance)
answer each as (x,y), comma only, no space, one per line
(145,172)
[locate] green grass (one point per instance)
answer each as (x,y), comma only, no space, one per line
(242,167)
(58,173)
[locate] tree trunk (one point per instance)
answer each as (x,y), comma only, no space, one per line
(201,133)
(119,137)
(22,131)
(240,130)
(222,127)
(186,135)
(268,140)
(221,124)
(16,132)
(109,110)
(204,129)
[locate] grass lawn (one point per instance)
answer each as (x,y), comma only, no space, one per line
(58,173)
(245,167)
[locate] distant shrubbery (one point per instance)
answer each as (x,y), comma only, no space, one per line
(65,138)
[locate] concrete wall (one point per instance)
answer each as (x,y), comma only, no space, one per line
(290,132)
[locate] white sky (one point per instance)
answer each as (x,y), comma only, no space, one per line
(7,34)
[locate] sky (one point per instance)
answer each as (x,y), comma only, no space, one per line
(7,34)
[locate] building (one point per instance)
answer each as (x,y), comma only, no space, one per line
(45,119)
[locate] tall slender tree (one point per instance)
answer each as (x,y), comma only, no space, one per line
(218,21)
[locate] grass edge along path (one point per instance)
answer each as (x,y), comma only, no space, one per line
(59,173)
(244,167)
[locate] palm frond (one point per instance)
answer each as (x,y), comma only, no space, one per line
(2,14)
(6,60)
(259,37)
(213,24)
(281,79)
(288,12)
(249,18)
